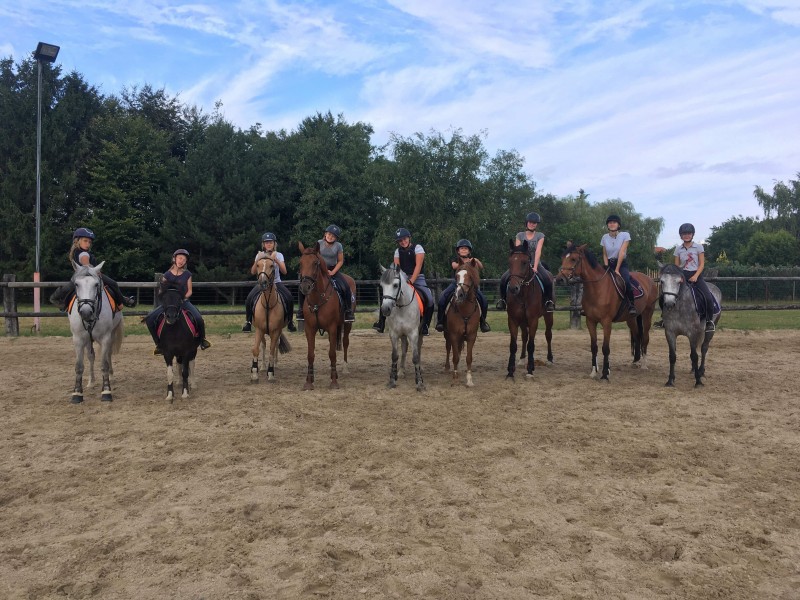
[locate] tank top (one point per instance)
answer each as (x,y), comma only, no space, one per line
(181,282)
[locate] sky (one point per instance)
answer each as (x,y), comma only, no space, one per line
(679,107)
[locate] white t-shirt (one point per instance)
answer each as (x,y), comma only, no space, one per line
(278,256)
(614,244)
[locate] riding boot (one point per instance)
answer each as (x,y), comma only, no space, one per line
(427,315)
(380,324)
(349,317)
(440,319)
(501,304)
(709,315)
(632,306)
(484,325)
(300,300)
(201,331)
(62,295)
(248,322)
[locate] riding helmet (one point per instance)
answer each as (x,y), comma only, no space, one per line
(181,251)
(686,228)
(81,232)
(533,217)
(614,218)
(464,244)
(268,237)
(401,233)
(334,229)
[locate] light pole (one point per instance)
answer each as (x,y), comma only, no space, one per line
(43,53)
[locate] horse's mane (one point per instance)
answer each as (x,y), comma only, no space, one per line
(388,274)
(590,257)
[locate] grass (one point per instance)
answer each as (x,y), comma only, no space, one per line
(752,320)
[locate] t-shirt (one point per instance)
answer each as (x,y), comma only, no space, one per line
(330,253)
(279,256)
(614,244)
(538,236)
(180,282)
(689,257)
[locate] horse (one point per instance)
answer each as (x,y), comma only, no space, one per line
(462,318)
(269,318)
(604,302)
(681,318)
(92,319)
(400,304)
(177,339)
(524,307)
(322,311)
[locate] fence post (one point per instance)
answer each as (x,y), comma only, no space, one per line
(575,299)
(10,305)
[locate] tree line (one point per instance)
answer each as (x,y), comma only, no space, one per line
(149,174)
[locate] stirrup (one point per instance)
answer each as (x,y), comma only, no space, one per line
(377,326)
(710,326)
(129,301)
(501,304)
(349,317)
(659,324)
(205,344)
(439,327)
(247,327)
(549,306)
(485,327)
(291,327)
(157,351)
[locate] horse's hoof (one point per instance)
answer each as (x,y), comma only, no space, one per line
(169,397)
(529,375)
(669,384)
(334,385)
(420,387)
(76,399)
(699,384)
(308,387)
(185,394)
(391,385)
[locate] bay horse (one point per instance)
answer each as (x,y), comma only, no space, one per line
(681,318)
(525,306)
(269,319)
(604,302)
(178,339)
(322,311)
(401,305)
(462,318)
(92,319)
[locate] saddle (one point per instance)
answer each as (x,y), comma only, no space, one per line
(114,306)
(187,316)
(636,287)
(700,304)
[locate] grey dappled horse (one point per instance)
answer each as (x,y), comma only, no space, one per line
(400,306)
(681,318)
(91,320)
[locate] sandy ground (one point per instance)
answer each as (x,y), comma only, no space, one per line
(555,487)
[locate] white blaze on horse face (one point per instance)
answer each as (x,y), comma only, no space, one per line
(461,281)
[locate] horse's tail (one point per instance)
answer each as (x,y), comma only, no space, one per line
(339,337)
(283,344)
(119,334)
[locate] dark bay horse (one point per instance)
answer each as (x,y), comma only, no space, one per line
(524,308)
(681,318)
(462,318)
(322,311)
(177,339)
(604,302)
(269,319)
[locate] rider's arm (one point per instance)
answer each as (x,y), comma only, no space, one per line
(281,266)
(622,252)
(188,289)
(701,263)
(420,258)
(538,255)
(605,256)
(339,262)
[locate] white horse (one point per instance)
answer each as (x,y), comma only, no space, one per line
(92,320)
(401,308)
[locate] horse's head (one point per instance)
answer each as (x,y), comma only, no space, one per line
(392,282)
(572,263)
(519,267)
(467,281)
(311,268)
(265,269)
(171,301)
(671,278)
(88,289)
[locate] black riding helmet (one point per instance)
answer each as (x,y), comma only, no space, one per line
(533,217)
(614,219)
(334,229)
(268,237)
(401,233)
(183,251)
(686,228)
(464,243)
(82,232)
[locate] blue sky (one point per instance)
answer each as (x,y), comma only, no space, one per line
(679,107)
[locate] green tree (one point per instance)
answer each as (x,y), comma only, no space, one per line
(779,248)
(731,238)
(783,203)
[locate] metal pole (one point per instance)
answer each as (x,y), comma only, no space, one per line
(37,291)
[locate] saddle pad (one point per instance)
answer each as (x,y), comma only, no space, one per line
(418,296)
(186,316)
(114,306)
(636,286)
(700,303)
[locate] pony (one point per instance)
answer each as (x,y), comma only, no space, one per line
(462,318)
(92,319)
(524,308)
(177,339)
(269,319)
(604,302)
(681,318)
(322,311)
(400,304)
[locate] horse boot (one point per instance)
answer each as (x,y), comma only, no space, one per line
(380,324)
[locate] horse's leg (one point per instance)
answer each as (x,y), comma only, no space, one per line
(592,327)
(606,349)
(273,354)
(512,347)
(90,354)
(415,340)
(310,333)
(470,344)
(673,356)
(636,339)
(704,350)
(333,338)
(77,392)
(395,355)
(401,371)
(694,354)
(533,325)
(192,382)
(105,364)
(345,345)
(184,363)
(256,351)
(170,377)
(456,349)
(548,336)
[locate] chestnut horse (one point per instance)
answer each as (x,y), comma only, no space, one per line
(322,311)
(604,302)
(524,308)
(462,318)
(269,319)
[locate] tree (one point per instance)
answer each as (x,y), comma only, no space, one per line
(779,248)
(784,203)
(731,238)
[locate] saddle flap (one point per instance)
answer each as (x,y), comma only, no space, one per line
(636,286)
(700,303)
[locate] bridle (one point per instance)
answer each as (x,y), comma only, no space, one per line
(172,310)
(571,277)
(527,278)
(95,304)
(396,298)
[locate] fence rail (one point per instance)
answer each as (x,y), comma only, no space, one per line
(233,293)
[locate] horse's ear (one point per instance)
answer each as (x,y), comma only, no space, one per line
(511,243)
(660,264)
(316,248)
(300,247)
(582,247)
(100,266)
(383,269)
(525,245)
(75,265)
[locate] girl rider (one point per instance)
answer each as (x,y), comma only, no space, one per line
(690,257)
(333,254)
(615,255)
(81,253)
(463,254)
(179,277)
(411,259)
(269,244)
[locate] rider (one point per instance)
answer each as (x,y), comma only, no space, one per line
(535,241)
(411,259)
(690,257)
(81,253)
(463,254)
(333,254)
(269,244)
(179,277)
(615,255)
